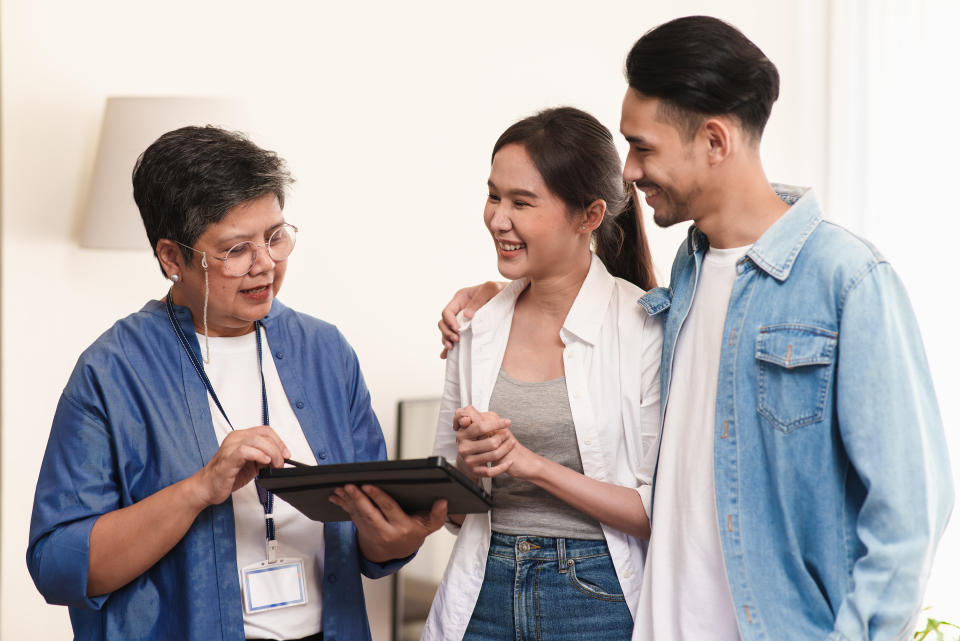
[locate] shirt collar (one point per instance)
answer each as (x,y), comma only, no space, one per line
(777,249)
(496,311)
(589,307)
(696,240)
(584,319)
(159,308)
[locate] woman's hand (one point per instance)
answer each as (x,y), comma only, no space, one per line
(236,462)
(482,438)
(124,543)
(384,531)
(519,462)
(468,300)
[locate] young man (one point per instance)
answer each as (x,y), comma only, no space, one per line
(802,480)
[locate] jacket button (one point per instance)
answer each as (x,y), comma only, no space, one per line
(322,454)
(332,578)
(279,354)
(299,405)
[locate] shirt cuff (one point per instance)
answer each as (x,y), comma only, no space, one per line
(374,570)
(63,564)
(646,497)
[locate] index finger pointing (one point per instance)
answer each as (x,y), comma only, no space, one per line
(267,432)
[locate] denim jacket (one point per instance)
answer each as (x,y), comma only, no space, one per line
(133,419)
(831,474)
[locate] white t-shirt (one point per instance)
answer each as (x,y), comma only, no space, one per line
(235,377)
(685,595)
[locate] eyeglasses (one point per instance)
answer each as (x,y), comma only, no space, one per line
(240,259)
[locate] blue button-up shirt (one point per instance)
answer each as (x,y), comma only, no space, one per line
(133,419)
(830,466)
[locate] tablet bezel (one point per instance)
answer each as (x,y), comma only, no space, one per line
(414,483)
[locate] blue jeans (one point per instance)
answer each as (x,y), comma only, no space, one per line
(553,589)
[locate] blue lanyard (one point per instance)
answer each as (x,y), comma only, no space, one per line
(266,498)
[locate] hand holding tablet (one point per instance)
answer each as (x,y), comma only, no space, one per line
(415,484)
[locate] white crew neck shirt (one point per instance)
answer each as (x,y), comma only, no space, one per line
(235,377)
(685,594)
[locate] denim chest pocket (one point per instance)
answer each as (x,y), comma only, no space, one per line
(794,370)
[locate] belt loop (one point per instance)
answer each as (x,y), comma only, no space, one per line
(562,554)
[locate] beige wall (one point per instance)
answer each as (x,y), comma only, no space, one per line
(386,113)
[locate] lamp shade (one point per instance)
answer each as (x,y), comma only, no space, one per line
(111,219)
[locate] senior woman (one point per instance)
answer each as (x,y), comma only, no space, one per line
(145,521)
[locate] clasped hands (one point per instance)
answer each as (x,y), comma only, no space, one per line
(486,447)
(384,531)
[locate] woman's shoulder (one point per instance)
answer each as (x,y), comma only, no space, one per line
(628,289)
(141,329)
(635,324)
(134,344)
(496,310)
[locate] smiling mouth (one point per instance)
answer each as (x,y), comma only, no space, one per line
(651,192)
(510,247)
(255,290)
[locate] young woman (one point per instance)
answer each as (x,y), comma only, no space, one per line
(551,401)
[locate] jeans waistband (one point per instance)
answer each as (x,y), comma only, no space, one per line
(545,548)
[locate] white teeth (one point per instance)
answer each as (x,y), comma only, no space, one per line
(510,248)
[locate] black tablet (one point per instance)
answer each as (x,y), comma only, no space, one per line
(413,483)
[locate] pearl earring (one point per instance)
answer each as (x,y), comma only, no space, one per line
(175,278)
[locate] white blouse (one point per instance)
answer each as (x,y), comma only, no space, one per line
(611,363)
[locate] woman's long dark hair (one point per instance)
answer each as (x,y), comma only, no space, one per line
(578,161)
(623,246)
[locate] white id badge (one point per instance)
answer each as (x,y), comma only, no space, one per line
(269,586)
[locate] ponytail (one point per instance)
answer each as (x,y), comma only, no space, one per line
(621,244)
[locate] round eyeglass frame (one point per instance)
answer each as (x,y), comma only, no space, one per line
(285,227)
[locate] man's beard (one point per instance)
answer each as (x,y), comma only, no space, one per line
(672,209)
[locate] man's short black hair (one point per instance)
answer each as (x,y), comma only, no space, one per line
(700,66)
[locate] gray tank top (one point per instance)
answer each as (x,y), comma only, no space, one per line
(542,421)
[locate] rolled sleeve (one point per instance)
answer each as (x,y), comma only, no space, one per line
(646,496)
(57,569)
(76,486)
(373,570)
